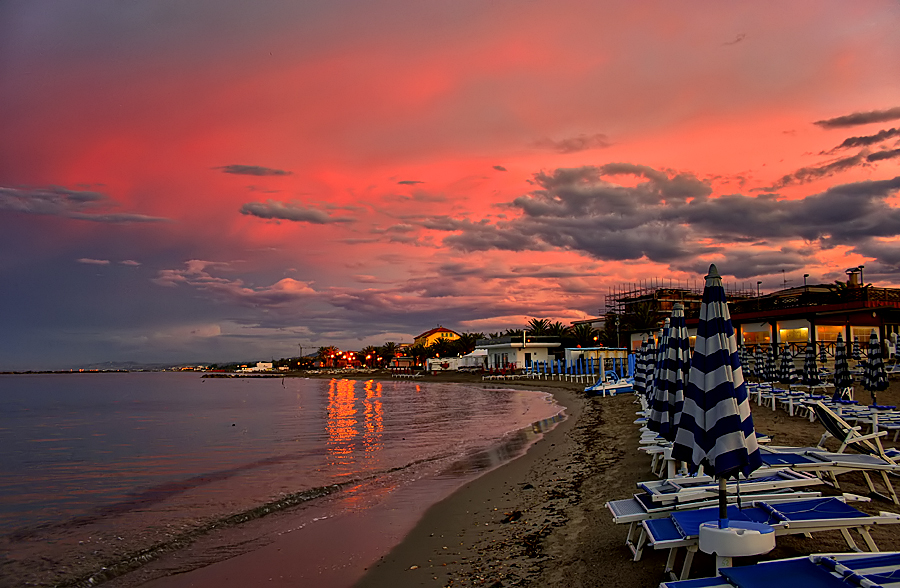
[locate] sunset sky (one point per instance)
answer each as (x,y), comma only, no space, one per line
(216,180)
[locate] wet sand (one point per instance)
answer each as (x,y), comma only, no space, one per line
(541,520)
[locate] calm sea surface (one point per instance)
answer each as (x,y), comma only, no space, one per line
(123,478)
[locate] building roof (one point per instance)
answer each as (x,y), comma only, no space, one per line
(437,330)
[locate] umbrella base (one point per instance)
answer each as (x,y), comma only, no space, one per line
(738,539)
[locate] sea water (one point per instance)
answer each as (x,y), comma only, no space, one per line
(123,478)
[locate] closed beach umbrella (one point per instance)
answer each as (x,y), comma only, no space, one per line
(715,428)
(768,366)
(842,377)
(823,357)
(649,365)
(672,378)
(640,383)
(810,369)
(658,359)
(759,361)
(874,377)
(857,352)
(745,359)
(787,371)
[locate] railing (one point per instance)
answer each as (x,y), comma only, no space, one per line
(807,299)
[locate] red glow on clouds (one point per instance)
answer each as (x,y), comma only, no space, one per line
(334,169)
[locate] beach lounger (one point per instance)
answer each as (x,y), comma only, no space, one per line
(841,570)
(868,446)
(633,511)
(829,465)
(681,529)
(692,488)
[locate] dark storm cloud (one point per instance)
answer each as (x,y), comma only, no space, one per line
(575,144)
(880,155)
(867,140)
(670,217)
(252,170)
(280,211)
(743,264)
(805,175)
(860,118)
(499,168)
(481,236)
(74,204)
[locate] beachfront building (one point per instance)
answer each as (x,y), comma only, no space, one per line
(818,314)
(261,366)
(573,354)
(429,337)
(517,351)
(791,317)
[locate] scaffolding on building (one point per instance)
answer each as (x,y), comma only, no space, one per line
(664,293)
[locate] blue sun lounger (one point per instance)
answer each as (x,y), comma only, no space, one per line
(692,488)
(633,511)
(839,570)
(682,529)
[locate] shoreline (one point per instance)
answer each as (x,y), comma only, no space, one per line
(540,519)
(289,558)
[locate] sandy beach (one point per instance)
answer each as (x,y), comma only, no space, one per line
(541,519)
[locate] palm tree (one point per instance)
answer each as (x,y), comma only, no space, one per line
(419,353)
(558,329)
(387,352)
(538,326)
(643,317)
(326,355)
(466,343)
(368,354)
(583,335)
(439,348)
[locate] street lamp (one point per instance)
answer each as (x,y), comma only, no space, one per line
(757,287)
(617,331)
(804,280)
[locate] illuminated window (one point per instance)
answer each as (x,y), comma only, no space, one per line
(756,337)
(800,335)
(828,332)
(863,333)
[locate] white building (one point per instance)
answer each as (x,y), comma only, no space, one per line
(517,351)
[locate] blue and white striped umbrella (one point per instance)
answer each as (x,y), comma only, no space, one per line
(874,378)
(810,369)
(823,356)
(649,364)
(843,379)
(759,363)
(857,352)
(745,359)
(673,377)
(658,358)
(640,382)
(787,371)
(768,366)
(715,429)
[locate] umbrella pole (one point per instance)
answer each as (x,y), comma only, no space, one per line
(723,504)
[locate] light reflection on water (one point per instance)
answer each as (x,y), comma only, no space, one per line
(374,427)
(134,457)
